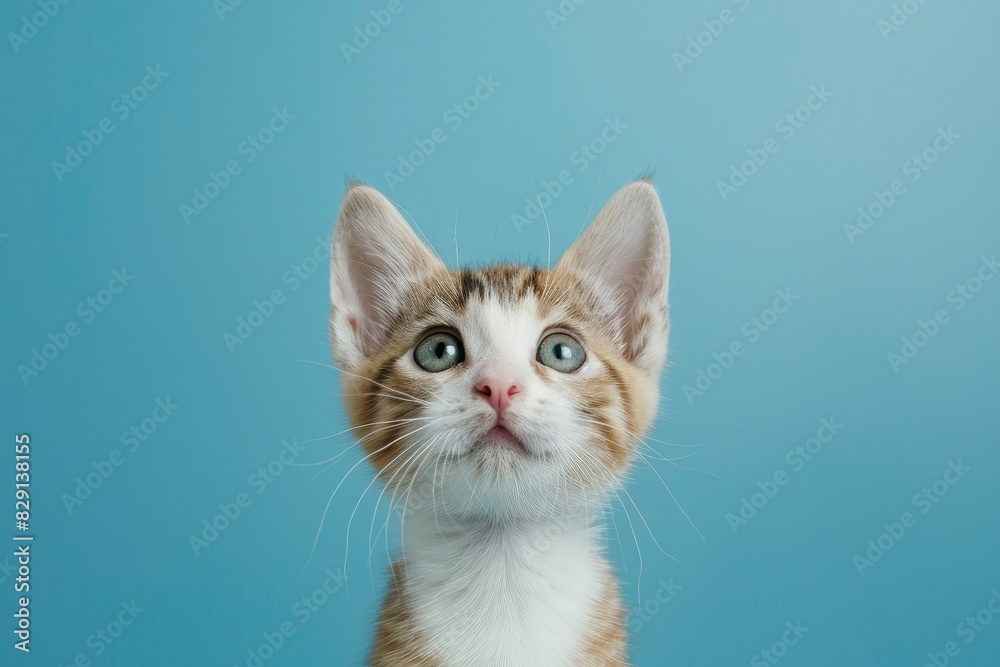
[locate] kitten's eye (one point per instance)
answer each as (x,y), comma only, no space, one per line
(439,352)
(561,352)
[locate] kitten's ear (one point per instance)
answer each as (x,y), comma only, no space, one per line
(624,256)
(376,264)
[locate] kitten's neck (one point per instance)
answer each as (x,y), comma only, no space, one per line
(496,593)
(518,544)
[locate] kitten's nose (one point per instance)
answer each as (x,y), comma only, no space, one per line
(497,393)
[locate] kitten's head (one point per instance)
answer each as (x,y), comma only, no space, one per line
(503,392)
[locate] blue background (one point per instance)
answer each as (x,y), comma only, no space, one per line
(560,81)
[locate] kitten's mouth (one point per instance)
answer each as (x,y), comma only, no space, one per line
(500,438)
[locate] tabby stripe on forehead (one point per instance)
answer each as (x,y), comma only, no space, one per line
(529,282)
(471,283)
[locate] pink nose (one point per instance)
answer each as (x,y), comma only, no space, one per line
(497,392)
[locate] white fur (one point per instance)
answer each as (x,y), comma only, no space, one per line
(504,597)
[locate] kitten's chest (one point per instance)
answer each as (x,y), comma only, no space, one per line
(528,603)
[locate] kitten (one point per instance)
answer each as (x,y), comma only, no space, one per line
(507,401)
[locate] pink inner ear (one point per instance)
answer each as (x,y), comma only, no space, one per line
(625,256)
(377,261)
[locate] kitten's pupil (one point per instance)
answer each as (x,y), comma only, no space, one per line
(442,349)
(563,351)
